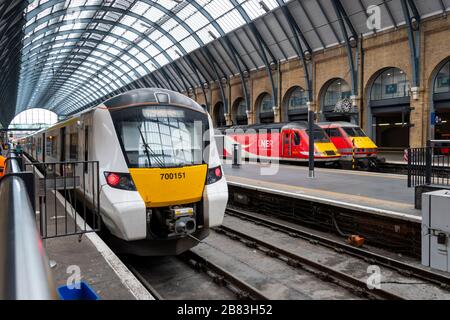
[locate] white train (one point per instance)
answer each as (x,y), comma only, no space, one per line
(162,184)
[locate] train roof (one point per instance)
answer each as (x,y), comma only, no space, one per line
(338,123)
(301,125)
(152,96)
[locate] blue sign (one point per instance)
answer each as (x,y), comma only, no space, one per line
(433,118)
(391,88)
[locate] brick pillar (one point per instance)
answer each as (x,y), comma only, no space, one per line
(416,118)
(277,114)
(228,119)
(356,106)
(250,117)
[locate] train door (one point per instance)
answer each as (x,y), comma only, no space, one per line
(62,155)
(87,168)
(287,143)
(43,147)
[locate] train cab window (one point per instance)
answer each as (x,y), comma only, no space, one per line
(319,136)
(73,146)
(163,136)
(297,139)
(333,132)
(354,132)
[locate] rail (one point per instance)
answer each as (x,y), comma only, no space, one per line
(429,165)
(24,267)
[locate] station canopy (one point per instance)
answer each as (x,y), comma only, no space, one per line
(66,55)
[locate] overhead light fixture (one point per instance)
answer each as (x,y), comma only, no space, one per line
(145,25)
(414,23)
(307,54)
(264,6)
(352,41)
(212,35)
(273,65)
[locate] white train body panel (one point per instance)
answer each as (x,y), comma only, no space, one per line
(125,213)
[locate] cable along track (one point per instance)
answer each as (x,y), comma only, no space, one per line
(402,268)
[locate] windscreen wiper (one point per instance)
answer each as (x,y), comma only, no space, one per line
(149,150)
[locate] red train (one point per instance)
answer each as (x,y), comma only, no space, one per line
(350,140)
(281,141)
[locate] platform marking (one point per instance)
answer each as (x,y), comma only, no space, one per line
(347,205)
(304,190)
(329,170)
(125,275)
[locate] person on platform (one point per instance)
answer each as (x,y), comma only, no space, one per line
(2,165)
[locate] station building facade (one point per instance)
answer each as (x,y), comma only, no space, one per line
(391,111)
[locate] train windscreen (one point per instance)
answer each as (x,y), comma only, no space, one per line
(319,135)
(161,136)
(354,132)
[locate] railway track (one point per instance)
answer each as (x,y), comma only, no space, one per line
(341,247)
(239,287)
(324,273)
(224,284)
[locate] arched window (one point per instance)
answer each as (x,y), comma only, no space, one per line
(337,90)
(442,82)
(440,109)
(391,83)
(296,108)
(33,119)
(240,112)
(336,104)
(389,110)
(297,99)
(265,108)
(219,115)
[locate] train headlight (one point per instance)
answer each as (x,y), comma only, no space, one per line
(214,175)
(120,181)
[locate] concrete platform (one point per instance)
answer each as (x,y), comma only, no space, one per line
(381,194)
(97,265)
(393,157)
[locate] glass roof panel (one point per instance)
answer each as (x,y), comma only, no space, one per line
(127,38)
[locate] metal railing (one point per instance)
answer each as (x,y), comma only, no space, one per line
(429,165)
(24,267)
(64,190)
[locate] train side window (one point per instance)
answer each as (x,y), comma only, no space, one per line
(73,146)
(297,138)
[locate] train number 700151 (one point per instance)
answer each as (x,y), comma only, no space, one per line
(173,176)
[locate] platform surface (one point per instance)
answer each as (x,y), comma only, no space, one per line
(387,193)
(97,265)
(393,157)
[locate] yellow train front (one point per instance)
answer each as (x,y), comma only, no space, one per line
(168,155)
(161,181)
